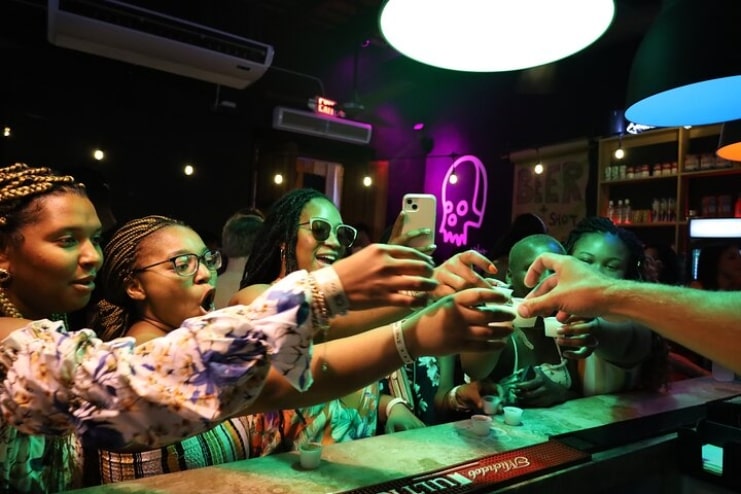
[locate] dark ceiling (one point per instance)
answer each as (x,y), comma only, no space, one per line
(315,44)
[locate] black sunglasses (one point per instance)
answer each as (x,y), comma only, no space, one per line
(321,229)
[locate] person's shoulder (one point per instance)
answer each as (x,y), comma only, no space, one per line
(10,324)
(143,331)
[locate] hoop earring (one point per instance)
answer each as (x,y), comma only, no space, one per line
(4,276)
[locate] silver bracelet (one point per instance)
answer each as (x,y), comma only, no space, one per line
(401,346)
(453,402)
(334,293)
(392,403)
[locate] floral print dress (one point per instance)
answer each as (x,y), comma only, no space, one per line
(58,389)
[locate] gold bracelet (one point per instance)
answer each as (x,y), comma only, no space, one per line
(319,313)
(335,299)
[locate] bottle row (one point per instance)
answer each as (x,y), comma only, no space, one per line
(692,163)
(720,206)
(662,210)
(628,172)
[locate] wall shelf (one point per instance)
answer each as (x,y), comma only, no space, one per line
(697,175)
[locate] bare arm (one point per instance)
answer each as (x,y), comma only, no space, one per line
(676,313)
(450,325)
(455,274)
(452,276)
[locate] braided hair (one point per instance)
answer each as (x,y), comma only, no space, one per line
(654,371)
(599,224)
(113,315)
(21,188)
(277,238)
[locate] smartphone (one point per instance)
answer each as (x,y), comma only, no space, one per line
(420,211)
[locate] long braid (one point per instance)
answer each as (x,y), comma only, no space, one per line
(277,238)
(112,317)
(654,371)
(21,187)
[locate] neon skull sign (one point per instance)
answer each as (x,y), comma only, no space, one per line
(464,202)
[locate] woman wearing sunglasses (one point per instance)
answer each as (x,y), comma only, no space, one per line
(304,230)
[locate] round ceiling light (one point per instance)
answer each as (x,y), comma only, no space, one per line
(493,35)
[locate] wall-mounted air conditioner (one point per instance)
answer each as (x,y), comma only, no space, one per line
(139,36)
(316,124)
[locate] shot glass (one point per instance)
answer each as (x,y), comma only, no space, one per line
(480,424)
(521,322)
(551,326)
(490,404)
(512,415)
(310,455)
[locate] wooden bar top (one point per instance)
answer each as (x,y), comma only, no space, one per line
(369,461)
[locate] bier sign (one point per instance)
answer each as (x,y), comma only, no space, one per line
(558,194)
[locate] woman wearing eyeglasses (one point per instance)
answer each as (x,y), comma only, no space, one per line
(157,273)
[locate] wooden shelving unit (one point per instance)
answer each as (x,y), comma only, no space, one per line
(687,186)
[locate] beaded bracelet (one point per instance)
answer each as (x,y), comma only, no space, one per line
(334,294)
(401,346)
(319,312)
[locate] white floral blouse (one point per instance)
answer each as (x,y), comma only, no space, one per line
(115,393)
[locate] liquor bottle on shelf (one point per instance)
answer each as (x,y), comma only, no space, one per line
(611,210)
(626,212)
(619,213)
(663,209)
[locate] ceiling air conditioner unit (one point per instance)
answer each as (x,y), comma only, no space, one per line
(316,124)
(139,36)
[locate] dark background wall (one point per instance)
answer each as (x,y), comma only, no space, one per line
(61,103)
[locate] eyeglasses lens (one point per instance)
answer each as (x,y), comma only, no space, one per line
(187,264)
(212,260)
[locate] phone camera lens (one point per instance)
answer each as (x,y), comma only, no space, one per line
(409,201)
(414,207)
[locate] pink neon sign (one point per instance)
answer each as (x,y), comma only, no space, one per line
(464,202)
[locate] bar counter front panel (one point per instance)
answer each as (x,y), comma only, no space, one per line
(641,421)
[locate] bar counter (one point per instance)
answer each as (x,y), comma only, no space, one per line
(619,421)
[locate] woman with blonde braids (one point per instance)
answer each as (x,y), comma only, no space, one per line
(60,388)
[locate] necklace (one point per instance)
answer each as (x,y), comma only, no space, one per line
(7,306)
(10,310)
